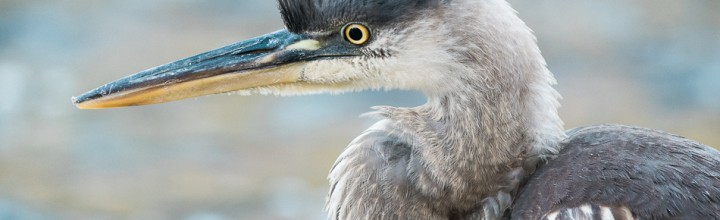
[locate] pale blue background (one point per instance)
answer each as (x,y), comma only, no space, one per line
(653,63)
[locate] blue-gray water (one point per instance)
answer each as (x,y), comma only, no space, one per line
(653,63)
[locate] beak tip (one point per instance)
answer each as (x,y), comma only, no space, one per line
(77,102)
(83,101)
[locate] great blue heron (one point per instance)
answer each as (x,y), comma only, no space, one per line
(488,144)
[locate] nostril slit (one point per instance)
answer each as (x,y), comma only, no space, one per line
(252,52)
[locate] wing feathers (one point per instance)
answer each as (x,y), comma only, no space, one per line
(591,212)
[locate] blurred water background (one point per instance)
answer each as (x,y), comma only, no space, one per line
(652,63)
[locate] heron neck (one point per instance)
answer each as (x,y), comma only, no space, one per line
(497,103)
(491,113)
(495,112)
(494,126)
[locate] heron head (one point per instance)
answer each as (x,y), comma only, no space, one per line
(328,46)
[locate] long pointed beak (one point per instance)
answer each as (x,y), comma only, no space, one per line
(272,59)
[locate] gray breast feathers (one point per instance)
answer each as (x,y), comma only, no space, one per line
(370,180)
(654,175)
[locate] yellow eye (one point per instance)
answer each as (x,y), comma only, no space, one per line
(357,34)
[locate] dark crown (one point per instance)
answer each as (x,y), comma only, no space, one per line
(320,15)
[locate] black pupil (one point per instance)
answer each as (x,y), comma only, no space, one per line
(355,34)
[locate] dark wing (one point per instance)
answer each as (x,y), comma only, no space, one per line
(606,171)
(370,178)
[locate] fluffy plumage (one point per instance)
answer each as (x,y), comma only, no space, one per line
(490,117)
(490,120)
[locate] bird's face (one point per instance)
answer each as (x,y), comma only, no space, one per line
(328,46)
